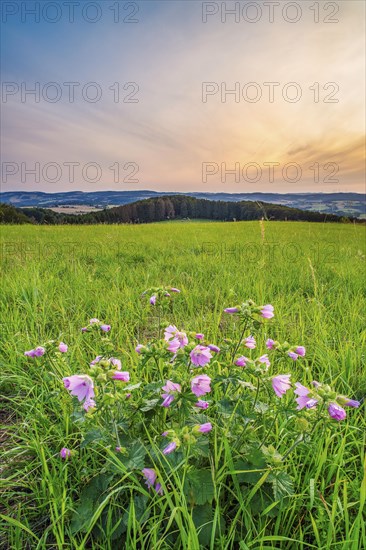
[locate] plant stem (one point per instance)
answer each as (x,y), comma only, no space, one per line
(256,393)
(240,339)
(269,431)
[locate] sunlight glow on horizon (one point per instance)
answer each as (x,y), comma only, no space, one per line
(174,127)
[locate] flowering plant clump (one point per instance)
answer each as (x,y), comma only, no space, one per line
(182,413)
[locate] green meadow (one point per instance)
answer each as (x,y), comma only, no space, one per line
(54,279)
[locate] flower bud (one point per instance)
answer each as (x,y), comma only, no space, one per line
(301,424)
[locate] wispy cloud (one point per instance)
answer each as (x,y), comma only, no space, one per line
(171,132)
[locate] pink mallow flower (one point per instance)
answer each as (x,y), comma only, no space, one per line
(200,385)
(336,412)
(139,347)
(62,347)
(173,289)
(150,477)
(170,448)
(174,345)
(270,343)
(231,310)
(80,385)
(37,352)
(293,355)
(94,321)
(351,403)
(205,428)
(153,300)
(200,356)
(241,361)
(122,376)
(89,404)
(281,384)
(116,363)
(214,348)
(168,399)
(267,311)
(264,359)
(199,336)
(105,328)
(250,342)
(303,400)
(170,388)
(171,332)
(65,453)
(300,350)
(202,404)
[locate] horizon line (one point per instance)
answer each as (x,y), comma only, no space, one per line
(190,192)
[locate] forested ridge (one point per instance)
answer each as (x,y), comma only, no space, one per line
(167,208)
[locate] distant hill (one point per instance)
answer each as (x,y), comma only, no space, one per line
(342,204)
(173,207)
(10,214)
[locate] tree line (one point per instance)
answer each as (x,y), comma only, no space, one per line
(175,207)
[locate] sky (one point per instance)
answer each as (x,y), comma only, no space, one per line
(150,106)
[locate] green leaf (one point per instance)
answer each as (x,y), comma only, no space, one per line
(136,456)
(82,515)
(141,510)
(256,457)
(96,487)
(248,473)
(152,387)
(202,447)
(225,407)
(282,484)
(202,518)
(261,407)
(149,405)
(91,437)
(132,387)
(199,487)
(197,418)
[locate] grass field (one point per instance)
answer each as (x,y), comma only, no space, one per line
(54,279)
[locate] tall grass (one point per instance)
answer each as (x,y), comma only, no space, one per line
(55,278)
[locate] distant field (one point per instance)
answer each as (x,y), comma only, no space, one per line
(54,279)
(74,209)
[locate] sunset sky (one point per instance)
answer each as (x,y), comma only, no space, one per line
(168,135)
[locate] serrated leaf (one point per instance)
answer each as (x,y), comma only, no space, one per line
(91,437)
(202,518)
(141,510)
(247,473)
(261,407)
(225,407)
(149,405)
(202,447)
(96,487)
(199,487)
(198,418)
(82,515)
(132,387)
(282,484)
(256,457)
(136,456)
(153,386)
